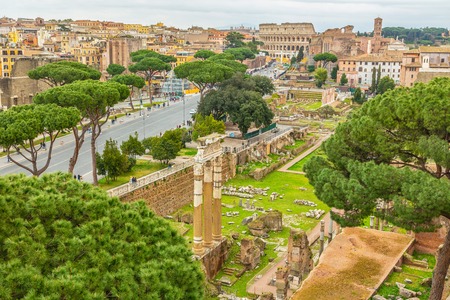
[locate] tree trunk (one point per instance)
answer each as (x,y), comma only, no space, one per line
(441,269)
(94,137)
(79,140)
(150,91)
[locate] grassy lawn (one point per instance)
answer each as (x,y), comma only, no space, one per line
(299,165)
(296,145)
(188,152)
(416,275)
(312,106)
(142,168)
(286,184)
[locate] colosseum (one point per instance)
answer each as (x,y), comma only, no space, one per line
(286,39)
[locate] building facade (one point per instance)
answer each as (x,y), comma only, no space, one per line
(285,40)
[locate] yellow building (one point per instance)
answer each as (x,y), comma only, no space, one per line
(136,27)
(8,57)
(183,57)
(13,36)
(88,55)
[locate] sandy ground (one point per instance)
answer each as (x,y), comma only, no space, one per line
(353,265)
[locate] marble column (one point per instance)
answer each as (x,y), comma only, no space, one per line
(217,199)
(207,204)
(198,199)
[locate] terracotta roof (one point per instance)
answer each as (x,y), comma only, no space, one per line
(432,49)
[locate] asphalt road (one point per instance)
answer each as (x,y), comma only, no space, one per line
(154,122)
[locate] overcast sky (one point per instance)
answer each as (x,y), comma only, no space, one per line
(225,13)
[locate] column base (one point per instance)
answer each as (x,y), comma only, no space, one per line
(217,238)
(208,244)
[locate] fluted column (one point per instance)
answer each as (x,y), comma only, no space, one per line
(207,204)
(217,199)
(198,199)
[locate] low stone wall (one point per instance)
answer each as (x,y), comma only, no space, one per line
(171,191)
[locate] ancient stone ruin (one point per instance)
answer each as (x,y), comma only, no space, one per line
(270,221)
(282,283)
(300,257)
(251,252)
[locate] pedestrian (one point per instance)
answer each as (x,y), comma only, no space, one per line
(44,146)
(79,177)
(131,179)
(75,177)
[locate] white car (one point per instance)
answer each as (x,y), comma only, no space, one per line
(193,111)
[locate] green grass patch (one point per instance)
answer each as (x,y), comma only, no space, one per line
(298,166)
(297,144)
(187,152)
(416,275)
(142,168)
(286,184)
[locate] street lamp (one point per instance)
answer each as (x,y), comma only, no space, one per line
(184,104)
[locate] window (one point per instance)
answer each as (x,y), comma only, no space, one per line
(365,63)
(5,59)
(5,67)
(360,69)
(442,60)
(19,52)
(412,75)
(413,60)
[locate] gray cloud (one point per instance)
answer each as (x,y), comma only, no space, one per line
(323,14)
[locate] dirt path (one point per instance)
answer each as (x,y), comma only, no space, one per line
(303,155)
(262,284)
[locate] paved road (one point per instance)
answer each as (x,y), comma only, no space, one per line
(154,122)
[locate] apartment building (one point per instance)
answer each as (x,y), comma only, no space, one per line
(8,56)
(359,69)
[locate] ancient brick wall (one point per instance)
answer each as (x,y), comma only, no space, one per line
(19,89)
(171,193)
(167,195)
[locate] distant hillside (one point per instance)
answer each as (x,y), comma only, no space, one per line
(419,36)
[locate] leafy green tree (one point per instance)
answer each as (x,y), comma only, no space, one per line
(386,83)
(253,110)
(205,125)
(132,148)
(334,71)
(163,148)
(63,72)
(230,95)
(231,63)
(112,163)
(148,63)
(204,54)
(325,58)
(20,126)
(93,99)
(358,96)
(263,85)
(301,54)
(235,39)
(326,111)
(65,239)
(241,53)
(378,77)
(115,69)
(343,80)
(373,87)
(320,75)
(253,45)
(311,68)
(394,153)
(131,81)
(203,74)
(293,60)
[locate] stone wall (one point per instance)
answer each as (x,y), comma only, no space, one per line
(214,259)
(19,89)
(167,195)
